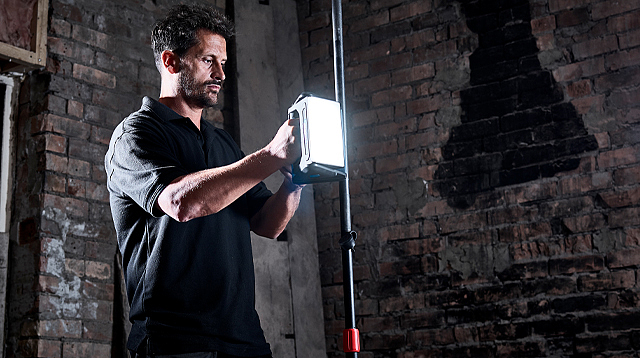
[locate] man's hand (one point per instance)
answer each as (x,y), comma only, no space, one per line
(286,143)
(288,180)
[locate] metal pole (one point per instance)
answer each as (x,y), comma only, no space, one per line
(351,336)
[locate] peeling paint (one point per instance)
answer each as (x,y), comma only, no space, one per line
(70,286)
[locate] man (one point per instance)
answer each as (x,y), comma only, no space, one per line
(184,198)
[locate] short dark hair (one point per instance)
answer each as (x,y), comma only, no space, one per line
(177,31)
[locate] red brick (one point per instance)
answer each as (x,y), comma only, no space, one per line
(56,163)
(425,139)
(82,349)
(75,108)
(512,215)
(356,72)
(618,157)
(60,27)
(386,97)
(56,104)
(608,8)
(399,232)
(584,223)
(371,84)
(607,281)
(371,52)
(462,222)
(94,76)
(402,303)
(379,4)
(396,162)
(429,104)
(60,328)
(97,290)
(591,104)
(624,258)
(315,52)
(372,150)
(429,337)
(417,319)
(378,324)
(70,49)
(626,22)
(528,250)
(557,5)
(71,206)
(74,267)
(98,270)
(579,70)
(48,348)
(568,265)
(415,73)
(579,89)
(544,24)
(624,217)
(370,22)
(79,168)
(409,10)
(98,331)
(595,47)
(391,62)
(626,176)
(405,266)
(61,125)
(48,284)
(623,59)
(90,37)
(436,52)
(525,232)
(625,98)
(55,183)
(623,198)
(315,22)
(572,17)
(629,39)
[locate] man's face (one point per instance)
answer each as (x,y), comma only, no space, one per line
(202,70)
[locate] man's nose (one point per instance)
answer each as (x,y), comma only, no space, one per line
(218,72)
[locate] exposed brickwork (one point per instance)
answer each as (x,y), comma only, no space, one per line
(494,156)
(64,296)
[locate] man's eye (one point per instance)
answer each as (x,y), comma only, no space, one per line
(207,61)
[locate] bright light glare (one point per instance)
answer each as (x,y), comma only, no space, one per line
(324,132)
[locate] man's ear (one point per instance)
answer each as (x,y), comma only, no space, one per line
(170,61)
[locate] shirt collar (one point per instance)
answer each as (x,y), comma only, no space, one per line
(162,111)
(165,113)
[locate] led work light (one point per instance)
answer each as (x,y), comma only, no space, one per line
(321,140)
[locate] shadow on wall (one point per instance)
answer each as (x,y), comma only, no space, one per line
(515,127)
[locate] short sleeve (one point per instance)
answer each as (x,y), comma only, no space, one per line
(139,163)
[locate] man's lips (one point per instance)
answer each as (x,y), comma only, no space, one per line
(214,86)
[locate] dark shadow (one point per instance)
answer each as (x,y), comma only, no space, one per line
(515,127)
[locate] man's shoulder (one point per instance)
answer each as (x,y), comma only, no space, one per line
(143,118)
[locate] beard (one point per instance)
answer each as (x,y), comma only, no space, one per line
(196,93)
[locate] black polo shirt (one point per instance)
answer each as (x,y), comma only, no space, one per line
(190,285)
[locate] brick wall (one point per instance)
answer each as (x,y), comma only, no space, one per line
(495,169)
(64,287)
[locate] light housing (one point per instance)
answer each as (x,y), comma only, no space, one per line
(321,140)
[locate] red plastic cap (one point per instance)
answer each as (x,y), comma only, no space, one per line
(351,340)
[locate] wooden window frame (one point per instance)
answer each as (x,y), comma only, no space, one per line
(16,59)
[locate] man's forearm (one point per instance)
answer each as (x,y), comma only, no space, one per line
(209,191)
(273,217)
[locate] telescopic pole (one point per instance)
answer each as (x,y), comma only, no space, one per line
(351,336)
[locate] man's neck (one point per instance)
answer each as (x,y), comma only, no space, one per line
(182,108)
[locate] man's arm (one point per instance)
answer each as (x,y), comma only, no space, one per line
(274,215)
(209,191)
